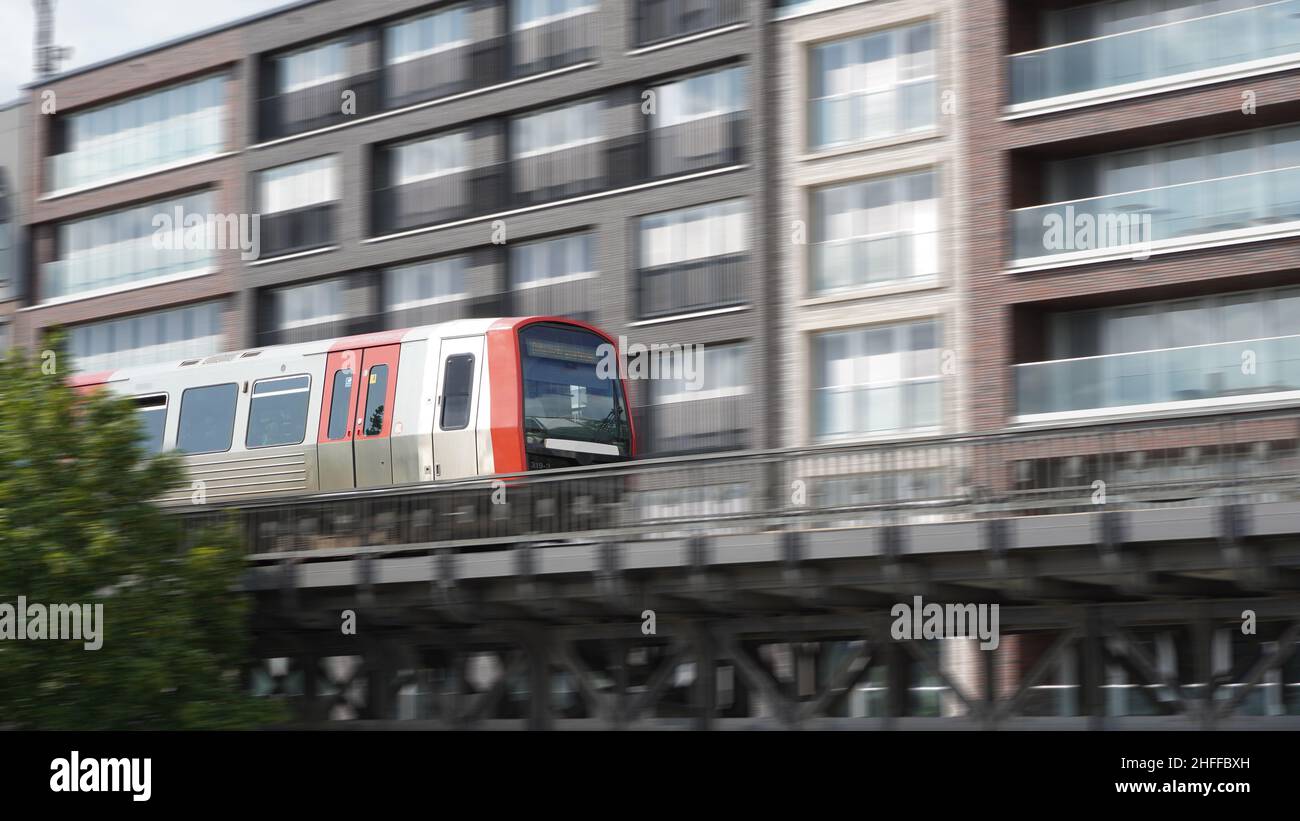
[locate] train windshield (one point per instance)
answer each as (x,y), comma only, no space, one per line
(570,405)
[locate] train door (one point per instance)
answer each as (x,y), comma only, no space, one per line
(334,441)
(372,445)
(353,445)
(455,446)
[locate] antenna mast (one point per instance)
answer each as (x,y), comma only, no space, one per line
(46,55)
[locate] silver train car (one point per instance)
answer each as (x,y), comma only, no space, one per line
(472,397)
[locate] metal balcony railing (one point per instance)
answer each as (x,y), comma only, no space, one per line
(694,285)
(301,229)
(562,43)
(660,20)
(319,106)
(570,171)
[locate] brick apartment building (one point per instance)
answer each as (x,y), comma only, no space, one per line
(1183,117)
(13,247)
(413,162)
(886,219)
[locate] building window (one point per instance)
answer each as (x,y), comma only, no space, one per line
(129,247)
(557,129)
(277,412)
(720,372)
(431,158)
(1188,161)
(425,57)
(311,66)
(297,205)
(660,20)
(429,181)
(1164,194)
(693,258)
(1180,323)
(551,34)
(1171,351)
(207,423)
(184,122)
(1096,46)
(552,261)
(874,86)
(876,380)
(426,283)
(312,84)
(558,152)
(147,339)
(301,313)
(697,122)
(700,402)
(879,230)
(8,253)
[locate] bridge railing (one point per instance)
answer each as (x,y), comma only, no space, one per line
(1192,461)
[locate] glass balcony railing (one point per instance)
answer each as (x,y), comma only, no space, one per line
(1131,220)
(1215,42)
(117,268)
(140,150)
(1224,370)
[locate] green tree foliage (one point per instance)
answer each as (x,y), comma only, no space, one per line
(78,525)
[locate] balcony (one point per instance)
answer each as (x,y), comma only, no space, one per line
(697,426)
(143,150)
(1151,59)
(553,44)
(659,21)
(1256,205)
(87,275)
(559,44)
(570,171)
(441,74)
(1213,374)
(696,285)
(302,229)
(556,44)
(318,106)
(326,329)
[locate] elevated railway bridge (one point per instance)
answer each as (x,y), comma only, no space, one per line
(1146,575)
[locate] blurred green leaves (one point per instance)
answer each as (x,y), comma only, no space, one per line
(78,525)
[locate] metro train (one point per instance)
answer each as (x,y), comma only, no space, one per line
(467,398)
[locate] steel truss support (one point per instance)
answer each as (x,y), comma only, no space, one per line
(781,670)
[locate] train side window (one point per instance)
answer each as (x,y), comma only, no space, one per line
(207,419)
(340,403)
(457,385)
(375,393)
(152,413)
(277,413)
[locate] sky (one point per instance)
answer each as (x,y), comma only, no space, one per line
(100,29)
